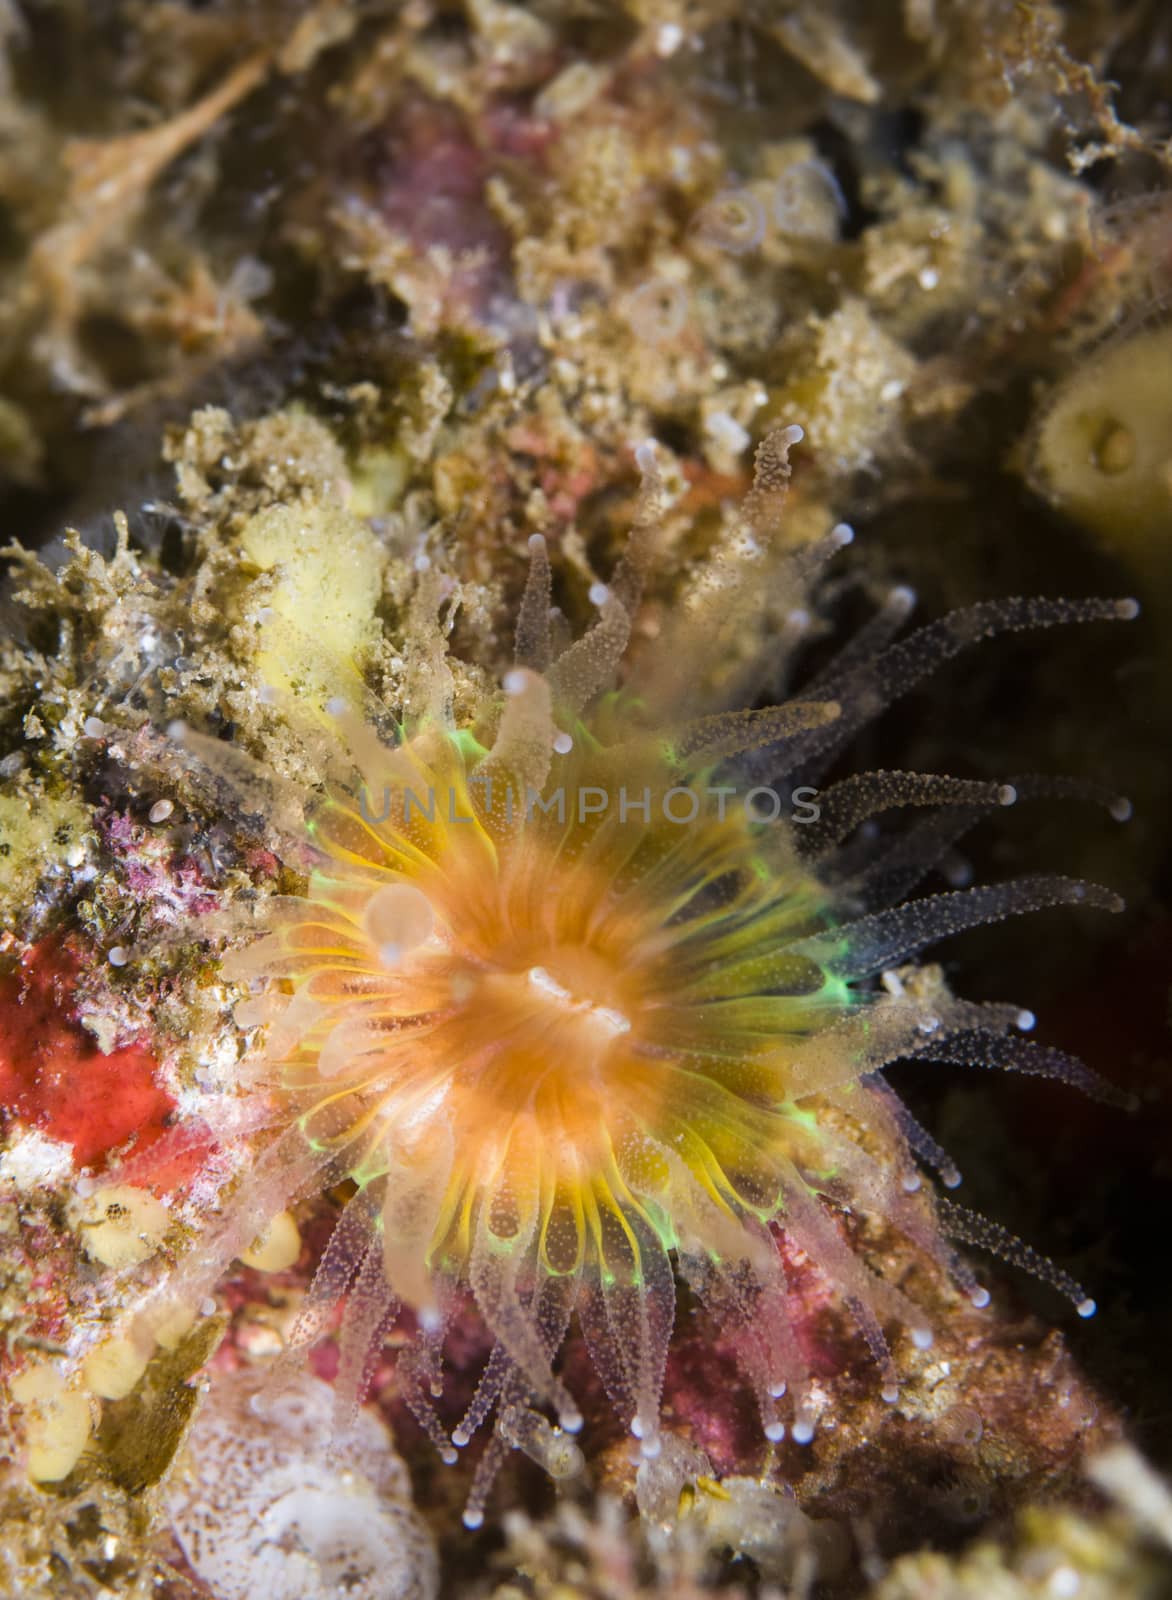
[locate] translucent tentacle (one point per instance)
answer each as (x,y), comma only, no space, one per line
(1044,786)
(845,805)
(920,1141)
(810,1226)
(744,570)
(972,1048)
(970,1228)
(868,1324)
(588,666)
(483,1479)
(284,1172)
(627,581)
(415,1370)
(698,744)
(487,1393)
(430,687)
(370,1313)
(861,1043)
(874,636)
(413,1201)
(352,1237)
(867,690)
(523,748)
(750,1297)
(495,1273)
(627,1316)
(873,943)
(534,645)
(870,876)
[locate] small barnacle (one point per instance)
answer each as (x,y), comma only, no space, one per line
(657,311)
(962,1426)
(733,220)
(121,1225)
(808,202)
(965,1501)
(580,1001)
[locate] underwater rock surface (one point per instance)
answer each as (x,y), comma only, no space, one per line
(580,399)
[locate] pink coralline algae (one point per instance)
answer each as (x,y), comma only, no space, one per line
(166,886)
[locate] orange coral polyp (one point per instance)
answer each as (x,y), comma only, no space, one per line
(572,1034)
(554,989)
(552,1043)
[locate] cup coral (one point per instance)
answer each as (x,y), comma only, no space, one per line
(585,995)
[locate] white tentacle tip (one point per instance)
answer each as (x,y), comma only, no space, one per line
(650,1443)
(473,1519)
(802,1431)
(980,1297)
(1086,1308)
(1127,610)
